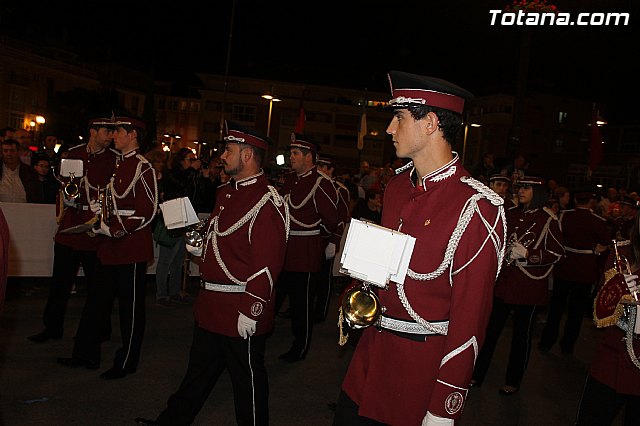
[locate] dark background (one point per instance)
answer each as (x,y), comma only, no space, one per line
(349,43)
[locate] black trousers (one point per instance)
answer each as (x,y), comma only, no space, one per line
(66,262)
(210,355)
(347,414)
(323,289)
(299,286)
(574,296)
(523,319)
(601,404)
(127,284)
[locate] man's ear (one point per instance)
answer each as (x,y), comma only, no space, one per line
(431,122)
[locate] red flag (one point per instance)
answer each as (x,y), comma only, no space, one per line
(595,149)
(299,127)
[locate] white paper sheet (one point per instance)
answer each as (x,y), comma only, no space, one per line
(178,213)
(376,254)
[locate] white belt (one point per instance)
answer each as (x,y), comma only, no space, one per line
(408,326)
(578,251)
(304,233)
(224,288)
(124,212)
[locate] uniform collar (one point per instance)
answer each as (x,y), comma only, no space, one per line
(439,175)
(248,181)
(307,173)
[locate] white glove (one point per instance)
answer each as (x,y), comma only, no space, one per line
(518,251)
(194,251)
(69,202)
(246,326)
(330,251)
(433,420)
(104,229)
(632,282)
(95,207)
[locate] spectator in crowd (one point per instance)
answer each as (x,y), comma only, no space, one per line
(49,149)
(24,149)
(187,178)
(18,182)
(7,133)
(563,195)
(486,168)
(605,204)
(515,170)
(49,186)
(173,183)
(370,208)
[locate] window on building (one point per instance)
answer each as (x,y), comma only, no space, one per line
(194,106)
(162,103)
(135,103)
(318,117)
(562,117)
(245,113)
(212,106)
(183,105)
(347,122)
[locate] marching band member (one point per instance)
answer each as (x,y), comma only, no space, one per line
(417,367)
(535,245)
(312,201)
(72,250)
(241,257)
(585,236)
(128,208)
(613,382)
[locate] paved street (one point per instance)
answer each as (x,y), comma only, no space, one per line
(35,390)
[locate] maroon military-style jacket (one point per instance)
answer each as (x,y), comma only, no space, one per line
(134,191)
(312,200)
(581,231)
(98,169)
(611,362)
(524,282)
(246,238)
(396,380)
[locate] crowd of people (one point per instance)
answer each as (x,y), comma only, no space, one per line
(488,244)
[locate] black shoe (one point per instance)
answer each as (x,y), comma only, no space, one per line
(43,336)
(508,390)
(115,373)
(290,357)
(74,362)
(146,422)
(543,348)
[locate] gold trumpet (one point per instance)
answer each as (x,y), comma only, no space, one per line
(106,207)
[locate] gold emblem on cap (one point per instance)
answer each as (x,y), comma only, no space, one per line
(293,137)
(427,222)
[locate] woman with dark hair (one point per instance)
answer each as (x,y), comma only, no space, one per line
(613,382)
(534,246)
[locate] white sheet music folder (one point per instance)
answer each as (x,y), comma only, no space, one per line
(376,254)
(178,213)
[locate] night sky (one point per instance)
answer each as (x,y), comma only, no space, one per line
(351,43)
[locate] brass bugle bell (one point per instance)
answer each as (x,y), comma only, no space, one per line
(194,236)
(360,306)
(71,189)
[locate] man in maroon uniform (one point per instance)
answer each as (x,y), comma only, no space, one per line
(417,367)
(74,249)
(244,249)
(131,203)
(614,373)
(327,165)
(535,245)
(585,236)
(312,201)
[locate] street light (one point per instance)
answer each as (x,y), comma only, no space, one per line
(466,133)
(271,100)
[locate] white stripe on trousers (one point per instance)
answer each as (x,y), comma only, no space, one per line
(253,388)
(133,315)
